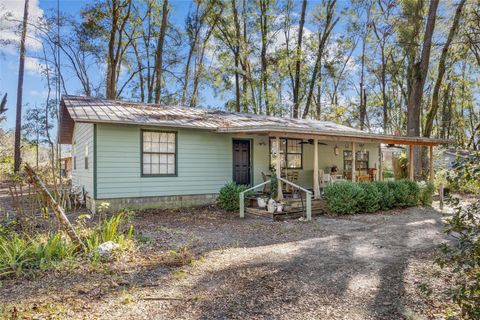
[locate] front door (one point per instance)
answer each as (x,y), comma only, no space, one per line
(241,161)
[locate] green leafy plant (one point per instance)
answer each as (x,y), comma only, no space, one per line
(228,197)
(427,189)
(344,197)
(461,258)
(465,174)
(371,197)
(350,198)
(387,198)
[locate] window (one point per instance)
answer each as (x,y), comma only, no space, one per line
(291,153)
(86,157)
(159,153)
(361,160)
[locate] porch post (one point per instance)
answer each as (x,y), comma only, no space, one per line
(353,162)
(410,162)
(278,170)
(432,174)
(316,184)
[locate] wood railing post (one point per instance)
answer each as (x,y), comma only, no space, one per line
(309,206)
(242,204)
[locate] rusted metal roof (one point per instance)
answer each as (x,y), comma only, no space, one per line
(97,110)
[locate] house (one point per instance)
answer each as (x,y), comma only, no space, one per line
(143,155)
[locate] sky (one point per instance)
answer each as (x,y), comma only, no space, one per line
(34,88)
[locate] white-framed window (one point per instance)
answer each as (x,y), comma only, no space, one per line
(159,153)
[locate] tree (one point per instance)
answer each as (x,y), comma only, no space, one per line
(323,36)
(3,107)
(441,71)
(298,62)
(21,68)
(159,52)
(36,127)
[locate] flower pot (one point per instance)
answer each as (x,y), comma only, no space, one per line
(261,202)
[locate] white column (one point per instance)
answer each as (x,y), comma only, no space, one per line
(353,162)
(316,184)
(279,171)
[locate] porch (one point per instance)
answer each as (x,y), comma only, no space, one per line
(303,165)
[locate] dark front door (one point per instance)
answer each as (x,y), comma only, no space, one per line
(241,161)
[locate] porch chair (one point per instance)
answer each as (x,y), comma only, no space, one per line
(292,176)
(323,179)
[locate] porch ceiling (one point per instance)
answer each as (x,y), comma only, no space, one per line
(335,136)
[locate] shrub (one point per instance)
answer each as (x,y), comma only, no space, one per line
(465,174)
(413,192)
(350,198)
(344,197)
(228,197)
(400,193)
(371,197)
(387,198)
(462,259)
(427,189)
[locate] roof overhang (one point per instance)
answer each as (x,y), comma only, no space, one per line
(335,136)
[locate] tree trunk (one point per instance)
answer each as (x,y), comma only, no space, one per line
(298,60)
(263,52)
(441,71)
(419,73)
(363,102)
(159,53)
(237,42)
(21,68)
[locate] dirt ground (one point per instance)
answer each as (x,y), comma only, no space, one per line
(375,266)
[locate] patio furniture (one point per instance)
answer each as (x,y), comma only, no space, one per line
(292,176)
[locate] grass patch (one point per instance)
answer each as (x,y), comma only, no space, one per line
(177,258)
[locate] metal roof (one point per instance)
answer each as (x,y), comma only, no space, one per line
(98,110)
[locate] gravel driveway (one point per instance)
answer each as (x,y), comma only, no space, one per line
(377,266)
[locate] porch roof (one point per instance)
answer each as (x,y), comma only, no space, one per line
(98,110)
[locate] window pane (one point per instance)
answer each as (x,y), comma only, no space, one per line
(147,136)
(163,159)
(156,136)
(171,159)
(171,169)
(164,137)
(146,169)
(294,146)
(163,147)
(155,147)
(155,168)
(147,146)
(294,160)
(147,158)
(171,147)
(163,169)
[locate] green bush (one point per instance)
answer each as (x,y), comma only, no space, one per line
(371,197)
(387,198)
(400,193)
(461,258)
(344,197)
(427,189)
(350,198)
(228,197)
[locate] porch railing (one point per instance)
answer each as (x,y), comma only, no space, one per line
(308,196)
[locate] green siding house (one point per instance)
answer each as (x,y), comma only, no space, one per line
(142,155)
